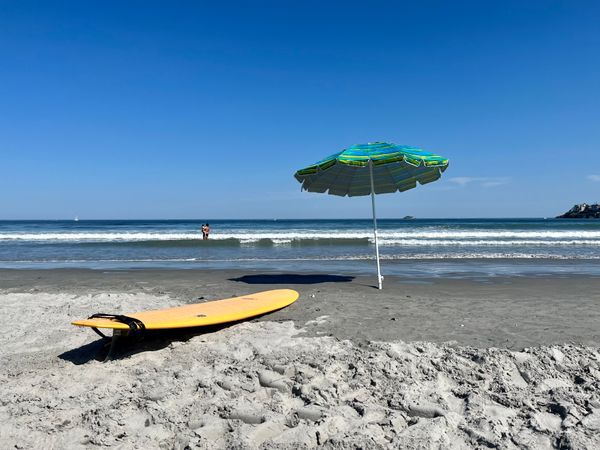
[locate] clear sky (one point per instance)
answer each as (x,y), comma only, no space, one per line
(147,109)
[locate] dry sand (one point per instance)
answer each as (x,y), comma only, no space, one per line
(282,382)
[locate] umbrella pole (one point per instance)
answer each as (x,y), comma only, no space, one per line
(379,277)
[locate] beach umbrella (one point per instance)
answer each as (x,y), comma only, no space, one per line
(369,169)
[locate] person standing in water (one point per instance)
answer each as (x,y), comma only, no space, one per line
(205,231)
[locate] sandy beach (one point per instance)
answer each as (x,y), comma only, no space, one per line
(498,362)
(424,175)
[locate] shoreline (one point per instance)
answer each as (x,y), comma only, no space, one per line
(405,268)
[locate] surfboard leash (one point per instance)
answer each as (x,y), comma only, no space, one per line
(136,326)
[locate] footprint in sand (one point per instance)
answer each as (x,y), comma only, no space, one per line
(318,321)
(274,380)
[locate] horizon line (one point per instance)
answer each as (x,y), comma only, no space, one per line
(271,219)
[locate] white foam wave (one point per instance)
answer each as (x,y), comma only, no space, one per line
(438,234)
(484,243)
(417,238)
(422,256)
(495,234)
(98,237)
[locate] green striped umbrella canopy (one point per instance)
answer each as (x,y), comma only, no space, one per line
(369,169)
(395,168)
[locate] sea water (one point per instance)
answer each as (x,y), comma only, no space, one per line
(413,248)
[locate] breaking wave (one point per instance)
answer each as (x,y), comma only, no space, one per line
(316,238)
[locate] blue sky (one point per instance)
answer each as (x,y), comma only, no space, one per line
(153,109)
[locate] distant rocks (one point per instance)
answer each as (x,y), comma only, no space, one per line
(582,211)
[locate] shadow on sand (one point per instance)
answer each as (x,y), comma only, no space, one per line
(292,278)
(152,340)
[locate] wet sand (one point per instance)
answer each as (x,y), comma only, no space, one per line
(507,363)
(491,312)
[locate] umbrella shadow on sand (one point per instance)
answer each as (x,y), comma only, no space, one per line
(292,278)
(152,340)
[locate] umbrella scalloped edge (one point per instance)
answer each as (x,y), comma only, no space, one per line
(380,153)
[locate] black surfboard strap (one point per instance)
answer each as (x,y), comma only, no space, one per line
(136,326)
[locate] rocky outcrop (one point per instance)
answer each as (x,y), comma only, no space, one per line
(582,211)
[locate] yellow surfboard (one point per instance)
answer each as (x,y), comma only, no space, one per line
(202,314)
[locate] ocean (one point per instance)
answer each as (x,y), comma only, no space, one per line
(412,248)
